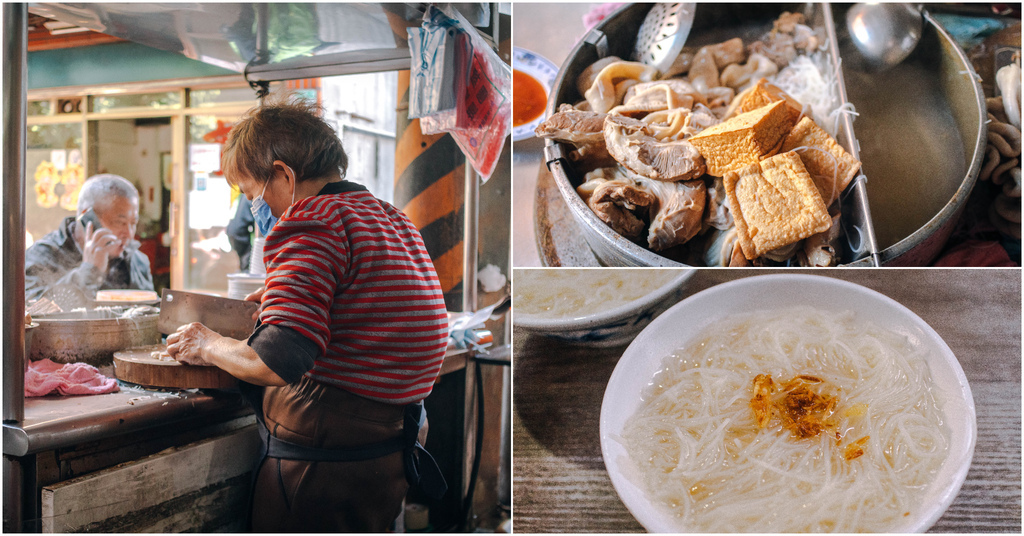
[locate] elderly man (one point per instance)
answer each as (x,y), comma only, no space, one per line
(81,257)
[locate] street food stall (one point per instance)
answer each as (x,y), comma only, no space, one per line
(173,455)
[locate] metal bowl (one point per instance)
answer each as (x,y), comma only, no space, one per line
(91,337)
(946,126)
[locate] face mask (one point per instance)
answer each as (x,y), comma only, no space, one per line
(265,219)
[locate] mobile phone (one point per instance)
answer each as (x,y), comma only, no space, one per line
(89,216)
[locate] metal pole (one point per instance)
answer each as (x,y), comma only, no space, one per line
(469,263)
(15,84)
(505,471)
(471,218)
(12,274)
(14,486)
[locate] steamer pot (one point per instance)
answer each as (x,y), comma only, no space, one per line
(954,114)
(91,337)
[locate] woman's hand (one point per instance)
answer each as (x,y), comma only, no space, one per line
(257,296)
(187,344)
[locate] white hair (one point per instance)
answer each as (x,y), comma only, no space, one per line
(98,189)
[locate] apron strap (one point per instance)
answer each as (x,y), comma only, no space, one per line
(285,450)
(421,469)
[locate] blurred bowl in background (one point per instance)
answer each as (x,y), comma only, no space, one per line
(612,326)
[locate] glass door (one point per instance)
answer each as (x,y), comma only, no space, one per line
(54,174)
(139,150)
(210,204)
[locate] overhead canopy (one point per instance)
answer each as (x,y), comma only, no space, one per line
(267,41)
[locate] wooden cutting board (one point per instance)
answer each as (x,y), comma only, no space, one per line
(140,365)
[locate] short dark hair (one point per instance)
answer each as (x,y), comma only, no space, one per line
(285,128)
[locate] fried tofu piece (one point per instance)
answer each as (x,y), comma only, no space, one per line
(775,203)
(761,94)
(744,139)
(831,167)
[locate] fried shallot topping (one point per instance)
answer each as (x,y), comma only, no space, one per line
(764,388)
(804,406)
(803,410)
(855,449)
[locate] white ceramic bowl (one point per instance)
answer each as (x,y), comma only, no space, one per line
(611,327)
(685,320)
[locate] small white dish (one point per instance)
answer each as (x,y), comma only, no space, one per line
(680,324)
(540,69)
(612,327)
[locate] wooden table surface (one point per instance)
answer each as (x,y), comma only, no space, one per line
(559,479)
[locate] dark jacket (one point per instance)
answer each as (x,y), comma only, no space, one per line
(55,260)
(239,231)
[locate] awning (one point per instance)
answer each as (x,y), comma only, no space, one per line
(266,41)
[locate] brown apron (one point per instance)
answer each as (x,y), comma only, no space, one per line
(313,421)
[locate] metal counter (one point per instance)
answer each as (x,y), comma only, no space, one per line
(54,421)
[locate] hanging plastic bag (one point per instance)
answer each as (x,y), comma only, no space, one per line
(482,84)
(432,80)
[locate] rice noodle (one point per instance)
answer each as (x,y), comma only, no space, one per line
(813,81)
(701,454)
(570,292)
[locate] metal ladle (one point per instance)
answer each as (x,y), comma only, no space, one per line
(663,33)
(882,34)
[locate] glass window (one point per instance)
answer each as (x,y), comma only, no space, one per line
(211,204)
(213,97)
(361,108)
(40,107)
(54,170)
(156,101)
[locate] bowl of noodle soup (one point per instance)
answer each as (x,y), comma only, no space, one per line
(788,403)
(594,306)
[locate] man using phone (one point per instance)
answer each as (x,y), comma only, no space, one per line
(94,250)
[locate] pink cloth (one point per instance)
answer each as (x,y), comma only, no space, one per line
(598,14)
(44,377)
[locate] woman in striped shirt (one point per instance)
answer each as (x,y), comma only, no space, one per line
(351,335)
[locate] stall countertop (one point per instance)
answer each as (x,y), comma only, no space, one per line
(560,483)
(55,421)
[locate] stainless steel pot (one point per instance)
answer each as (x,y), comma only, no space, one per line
(30,330)
(940,149)
(91,337)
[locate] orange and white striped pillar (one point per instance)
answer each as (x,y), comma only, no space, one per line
(430,189)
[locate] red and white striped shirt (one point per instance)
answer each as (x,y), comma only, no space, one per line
(351,273)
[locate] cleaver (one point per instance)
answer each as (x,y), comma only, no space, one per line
(226,316)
